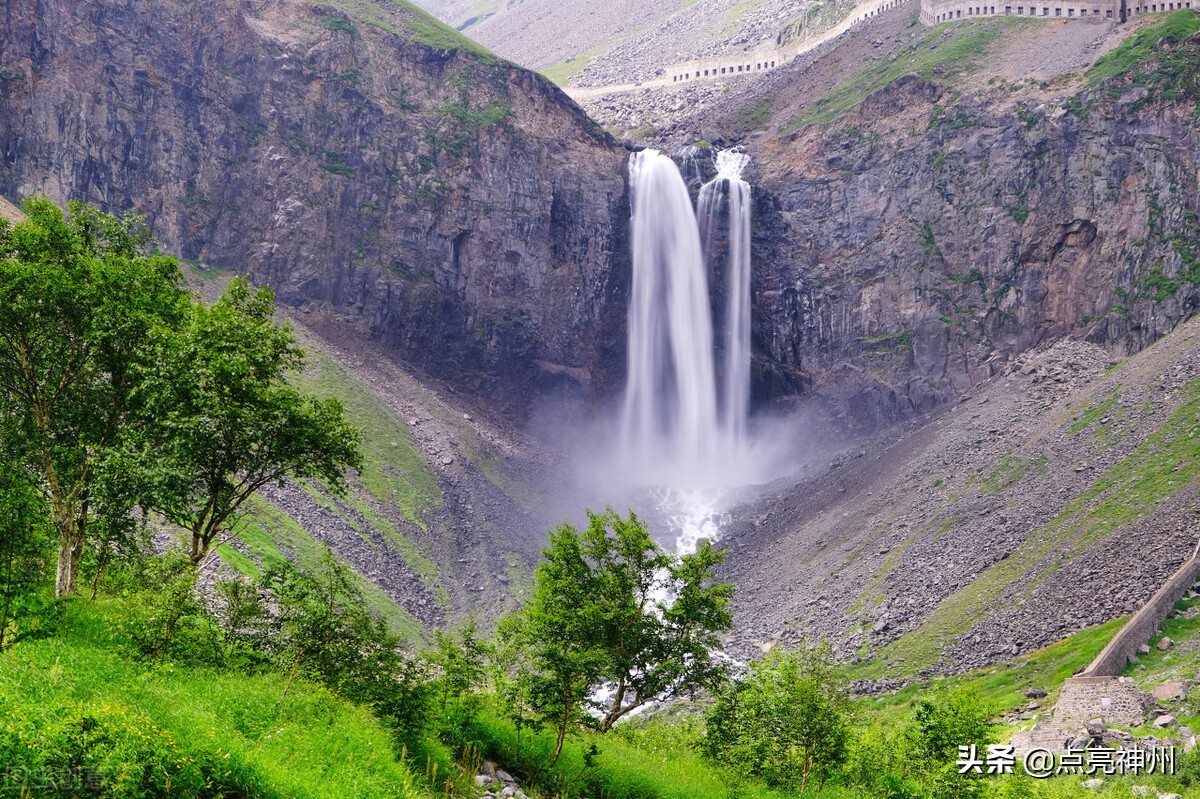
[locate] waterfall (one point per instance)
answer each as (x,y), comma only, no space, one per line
(679,429)
(670,409)
(736,394)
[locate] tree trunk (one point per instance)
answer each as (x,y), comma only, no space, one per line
(8,595)
(69,554)
(614,711)
(558,745)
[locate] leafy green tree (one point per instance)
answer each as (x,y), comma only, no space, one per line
(512,681)
(220,420)
(25,544)
(611,608)
(79,298)
(940,724)
(328,634)
(788,721)
(460,658)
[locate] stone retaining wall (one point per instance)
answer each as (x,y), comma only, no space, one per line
(763,60)
(1115,699)
(1137,631)
(937,11)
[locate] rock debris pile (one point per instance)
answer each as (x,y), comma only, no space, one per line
(497,783)
(880,543)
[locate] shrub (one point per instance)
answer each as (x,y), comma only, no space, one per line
(787,721)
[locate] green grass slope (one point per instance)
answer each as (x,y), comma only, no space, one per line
(78,712)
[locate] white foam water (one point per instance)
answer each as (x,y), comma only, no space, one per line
(682,435)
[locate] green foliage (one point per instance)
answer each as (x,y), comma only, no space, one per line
(79,718)
(462,120)
(78,302)
(1019,212)
(939,53)
(220,420)
(1009,471)
(973,275)
(338,168)
(1155,58)
(880,764)
(595,618)
(928,243)
(941,724)
(26,541)
(1096,411)
(328,635)
(900,339)
(1156,286)
(166,621)
(788,721)
(460,658)
(752,116)
(339,24)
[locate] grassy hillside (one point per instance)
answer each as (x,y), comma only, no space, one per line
(396,525)
(403,17)
(78,709)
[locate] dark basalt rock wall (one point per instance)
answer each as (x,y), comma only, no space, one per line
(456,207)
(466,213)
(914,249)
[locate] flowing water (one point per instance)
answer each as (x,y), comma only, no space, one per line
(683,434)
(728,189)
(670,413)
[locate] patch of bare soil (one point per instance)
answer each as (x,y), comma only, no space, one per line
(10,212)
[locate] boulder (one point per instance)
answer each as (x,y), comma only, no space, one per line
(1163,721)
(1034,693)
(1093,784)
(1164,644)
(1079,741)
(1168,691)
(1096,727)
(1144,649)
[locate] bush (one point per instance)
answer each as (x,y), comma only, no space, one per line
(940,724)
(164,619)
(787,721)
(328,635)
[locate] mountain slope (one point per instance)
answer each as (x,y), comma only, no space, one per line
(449,511)
(1055,496)
(358,156)
(623,41)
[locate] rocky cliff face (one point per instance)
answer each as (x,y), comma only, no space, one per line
(928,237)
(455,207)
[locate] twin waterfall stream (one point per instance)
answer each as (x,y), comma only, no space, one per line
(683,430)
